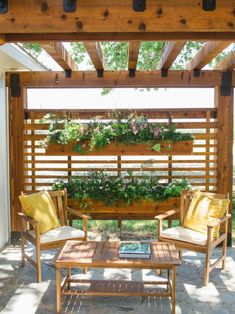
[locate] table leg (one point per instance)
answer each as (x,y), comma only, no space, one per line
(168,280)
(173,292)
(58,290)
(69,272)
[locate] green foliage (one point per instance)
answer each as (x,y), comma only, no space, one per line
(149,55)
(33,48)
(78,52)
(115,55)
(99,186)
(132,129)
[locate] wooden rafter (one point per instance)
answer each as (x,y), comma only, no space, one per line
(206,54)
(106,16)
(61,55)
(95,53)
(170,52)
(133,52)
(120,79)
(228,63)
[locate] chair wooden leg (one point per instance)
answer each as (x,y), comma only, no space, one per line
(22,249)
(224,253)
(38,262)
(207,265)
(180,254)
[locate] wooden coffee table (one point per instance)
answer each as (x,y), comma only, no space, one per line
(104,254)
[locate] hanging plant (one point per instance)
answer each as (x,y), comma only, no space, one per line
(97,134)
(98,186)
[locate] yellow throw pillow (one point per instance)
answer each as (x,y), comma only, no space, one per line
(203,211)
(40,207)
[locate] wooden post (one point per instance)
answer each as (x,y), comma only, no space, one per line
(16,142)
(224,106)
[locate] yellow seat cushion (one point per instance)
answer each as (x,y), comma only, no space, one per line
(204,210)
(40,207)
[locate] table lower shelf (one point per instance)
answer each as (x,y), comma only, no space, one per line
(116,287)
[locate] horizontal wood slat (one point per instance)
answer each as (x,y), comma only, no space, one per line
(41,170)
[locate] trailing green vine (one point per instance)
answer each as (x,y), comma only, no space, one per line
(96,134)
(99,186)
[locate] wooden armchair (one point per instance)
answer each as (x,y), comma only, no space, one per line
(54,238)
(188,239)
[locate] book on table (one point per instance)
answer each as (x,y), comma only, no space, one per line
(135,249)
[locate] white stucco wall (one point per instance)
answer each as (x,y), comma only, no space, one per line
(4,177)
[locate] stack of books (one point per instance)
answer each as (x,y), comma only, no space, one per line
(135,249)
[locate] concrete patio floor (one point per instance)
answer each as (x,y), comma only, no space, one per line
(19,292)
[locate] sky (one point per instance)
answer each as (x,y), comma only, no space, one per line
(120,98)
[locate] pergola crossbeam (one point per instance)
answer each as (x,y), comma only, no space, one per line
(60,54)
(95,53)
(206,54)
(169,53)
(227,64)
(120,79)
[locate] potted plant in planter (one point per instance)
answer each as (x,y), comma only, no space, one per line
(102,194)
(132,135)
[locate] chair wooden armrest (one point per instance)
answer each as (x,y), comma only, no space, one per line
(76,213)
(31,221)
(217,222)
(80,215)
(167,214)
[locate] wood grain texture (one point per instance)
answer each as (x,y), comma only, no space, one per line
(119,79)
(206,54)
(115,36)
(227,63)
(95,53)
(60,54)
(224,105)
(169,53)
(16,134)
(133,52)
(109,16)
(105,254)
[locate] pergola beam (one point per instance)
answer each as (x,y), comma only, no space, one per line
(169,53)
(107,16)
(227,64)
(95,53)
(206,54)
(119,79)
(118,36)
(133,53)
(61,55)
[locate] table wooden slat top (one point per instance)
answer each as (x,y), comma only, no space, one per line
(105,254)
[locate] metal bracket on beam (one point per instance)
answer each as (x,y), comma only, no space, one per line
(139,5)
(15,85)
(226,83)
(196,72)
(70,5)
(164,72)
(68,73)
(100,72)
(132,72)
(209,5)
(3,6)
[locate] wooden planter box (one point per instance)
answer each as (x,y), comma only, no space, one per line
(138,210)
(117,149)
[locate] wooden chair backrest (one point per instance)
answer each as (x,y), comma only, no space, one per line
(186,198)
(59,199)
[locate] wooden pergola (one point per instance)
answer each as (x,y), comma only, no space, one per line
(91,22)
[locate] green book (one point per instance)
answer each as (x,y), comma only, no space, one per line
(135,249)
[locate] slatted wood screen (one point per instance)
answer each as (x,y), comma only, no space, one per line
(41,170)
